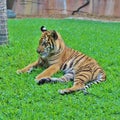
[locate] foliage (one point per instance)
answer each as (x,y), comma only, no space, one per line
(22,99)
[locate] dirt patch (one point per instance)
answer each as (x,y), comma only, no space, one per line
(97,18)
(83,16)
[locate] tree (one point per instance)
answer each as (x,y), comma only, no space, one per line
(3,23)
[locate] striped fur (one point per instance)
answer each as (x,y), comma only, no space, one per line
(55,55)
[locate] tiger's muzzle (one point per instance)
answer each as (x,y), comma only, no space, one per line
(43,54)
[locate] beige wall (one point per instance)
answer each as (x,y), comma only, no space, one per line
(44,7)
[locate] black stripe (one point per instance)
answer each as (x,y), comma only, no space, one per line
(77,55)
(82,70)
(78,79)
(52,44)
(70,72)
(49,44)
(71,64)
(79,59)
(84,76)
(72,55)
(95,71)
(64,67)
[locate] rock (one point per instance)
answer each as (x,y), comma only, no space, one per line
(11,14)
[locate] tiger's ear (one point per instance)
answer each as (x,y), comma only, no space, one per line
(43,29)
(54,35)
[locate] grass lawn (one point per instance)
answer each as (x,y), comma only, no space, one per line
(22,99)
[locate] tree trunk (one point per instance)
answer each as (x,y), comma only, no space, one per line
(3,23)
(10,4)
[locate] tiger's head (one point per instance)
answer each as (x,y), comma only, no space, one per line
(47,42)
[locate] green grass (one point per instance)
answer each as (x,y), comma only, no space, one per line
(22,99)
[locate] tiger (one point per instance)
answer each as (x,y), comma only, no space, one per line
(55,56)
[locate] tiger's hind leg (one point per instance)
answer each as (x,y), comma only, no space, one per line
(81,77)
(79,84)
(72,89)
(101,77)
(80,80)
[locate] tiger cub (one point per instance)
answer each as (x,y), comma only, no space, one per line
(55,55)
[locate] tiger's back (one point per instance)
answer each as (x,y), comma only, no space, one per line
(86,68)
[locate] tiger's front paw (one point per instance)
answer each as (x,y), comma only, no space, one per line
(28,70)
(65,91)
(18,71)
(62,92)
(42,81)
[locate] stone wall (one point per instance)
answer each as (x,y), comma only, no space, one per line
(65,7)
